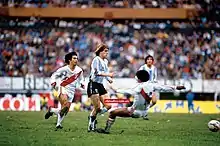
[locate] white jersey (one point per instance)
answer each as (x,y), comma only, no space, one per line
(143,92)
(152,72)
(99,66)
(67,80)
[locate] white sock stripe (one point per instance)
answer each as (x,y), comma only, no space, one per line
(59,119)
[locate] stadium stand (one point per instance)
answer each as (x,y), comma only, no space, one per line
(183,48)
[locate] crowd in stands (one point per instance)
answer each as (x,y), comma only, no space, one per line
(137,4)
(36,47)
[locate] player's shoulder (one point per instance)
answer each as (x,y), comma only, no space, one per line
(95,58)
(148,84)
(154,67)
(78,68)
(106,61)
(65,67)
(142,66)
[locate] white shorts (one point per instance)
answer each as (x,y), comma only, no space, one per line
(139,107)
(139,103)
(69,94)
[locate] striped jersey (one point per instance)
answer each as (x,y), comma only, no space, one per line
(99,66)
(152,72)
(145,91)
(67,78)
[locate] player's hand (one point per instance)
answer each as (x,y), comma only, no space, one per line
(53,85)
(180,87)
(111,75)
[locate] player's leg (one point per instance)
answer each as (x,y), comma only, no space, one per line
(96,109)
(120,112)
(150,105)
(145,113)
(189,107)
(193,108)
(106,106)
(138,113)
(103,95)
(53,110)
(139,105)
(65,101)
(94,91)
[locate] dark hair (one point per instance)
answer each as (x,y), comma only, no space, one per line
(143,75)
(100,48)
(149,56)
(69,56)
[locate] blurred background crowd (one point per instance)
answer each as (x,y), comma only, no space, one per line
(186,49)
(137,4)
(181,49)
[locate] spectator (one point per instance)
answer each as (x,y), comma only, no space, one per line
(190,97)
(181,53)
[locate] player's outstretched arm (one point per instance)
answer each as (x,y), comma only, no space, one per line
(132,91)
(167,88)
(126,91)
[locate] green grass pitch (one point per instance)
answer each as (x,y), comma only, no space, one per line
(30,128)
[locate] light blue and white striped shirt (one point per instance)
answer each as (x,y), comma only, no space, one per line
(152,72)
(99,66)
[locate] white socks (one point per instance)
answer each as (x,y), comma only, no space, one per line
(57,112)
(59,119)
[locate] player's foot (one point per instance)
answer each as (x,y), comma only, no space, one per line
(58,127)
(145,118)
(100,130)
(135,116)
(64,111)
(107,129)
(91,127)
(48,114)
(103,110)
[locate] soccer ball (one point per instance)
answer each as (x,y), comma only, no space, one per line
(214,125)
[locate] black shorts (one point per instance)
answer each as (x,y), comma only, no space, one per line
(95,88)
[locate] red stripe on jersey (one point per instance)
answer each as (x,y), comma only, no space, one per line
(146,97)
(71,79)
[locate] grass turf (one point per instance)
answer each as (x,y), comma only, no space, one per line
(30,128)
